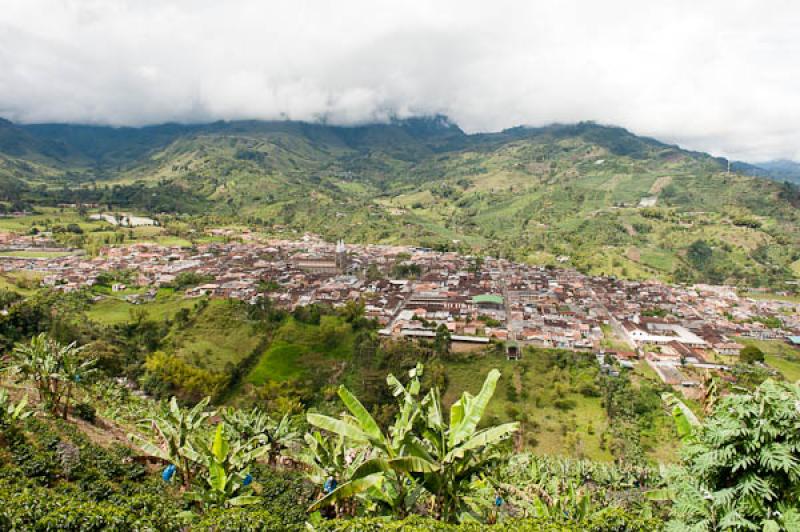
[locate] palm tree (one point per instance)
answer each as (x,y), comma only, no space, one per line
(177,432)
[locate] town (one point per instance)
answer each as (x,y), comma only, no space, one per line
(417,293)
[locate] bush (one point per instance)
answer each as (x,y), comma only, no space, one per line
(751,354)
(606,520)
(86,412)
(565,404)
(242,520)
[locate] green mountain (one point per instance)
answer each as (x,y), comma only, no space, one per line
(780,170)
(596,197)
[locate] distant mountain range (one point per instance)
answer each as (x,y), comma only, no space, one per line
(597,197)
(780,170)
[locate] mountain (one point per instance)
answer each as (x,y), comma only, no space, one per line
(596,197)
(780,170)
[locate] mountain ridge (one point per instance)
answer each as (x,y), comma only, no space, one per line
(609,200)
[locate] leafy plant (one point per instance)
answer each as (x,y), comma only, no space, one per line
(742,466)
(260,429)
(54,368)
(227,479)
(10,412)
(177,432)
(448,459)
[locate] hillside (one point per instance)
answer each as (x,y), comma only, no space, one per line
(595,197)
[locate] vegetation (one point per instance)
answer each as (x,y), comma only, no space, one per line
(608,201)
(742,466)
(423,466)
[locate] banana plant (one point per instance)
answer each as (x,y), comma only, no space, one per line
(388,487)
(177,432)
(54,369)
(10,411)
(455,454)
(449,460)
(686,421)
(226,472)
(258,427)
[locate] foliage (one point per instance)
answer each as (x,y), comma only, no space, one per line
(750,354)
(614,519)
(177,431)
(86,412)
(227,479)
(742,467)
(54,368)
(259,429)
(167,374)
(11,412)
(422,451)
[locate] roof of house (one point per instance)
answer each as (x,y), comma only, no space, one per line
(488,298)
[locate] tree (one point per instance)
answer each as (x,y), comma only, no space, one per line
(750,354)
(423,451)
(227,478)
(699,254)
(741,468)
(54,368)
(442,341)
(177,431)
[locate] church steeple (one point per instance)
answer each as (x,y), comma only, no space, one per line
(341,256)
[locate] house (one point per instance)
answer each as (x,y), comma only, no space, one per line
(728,348)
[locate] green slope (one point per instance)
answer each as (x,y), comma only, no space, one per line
(612,202)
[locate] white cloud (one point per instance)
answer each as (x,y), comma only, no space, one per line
(720,76)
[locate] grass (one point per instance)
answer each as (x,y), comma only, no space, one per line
(612,341)
(26,254)
(217,335)
(299,348)
(11,281)
(660,260)
(113,311)
(772,297)
(551,436)
(779,355)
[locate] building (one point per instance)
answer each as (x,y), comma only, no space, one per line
(728,348)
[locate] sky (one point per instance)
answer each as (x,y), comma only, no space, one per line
(710,75)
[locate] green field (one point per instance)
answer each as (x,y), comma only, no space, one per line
(216,336)
(772,297)
(30,254)
(779,355)
(299,348)
(546,422)
(113,310)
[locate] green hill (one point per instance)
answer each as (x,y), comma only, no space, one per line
(601,198)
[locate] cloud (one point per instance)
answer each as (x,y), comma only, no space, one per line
(719,76)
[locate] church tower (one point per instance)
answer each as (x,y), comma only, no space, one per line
(341,257)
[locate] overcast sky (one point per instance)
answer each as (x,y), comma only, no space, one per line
(719,76)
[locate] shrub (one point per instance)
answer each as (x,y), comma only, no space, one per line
(242,520)
(85,411)
(751,354)
(565,404)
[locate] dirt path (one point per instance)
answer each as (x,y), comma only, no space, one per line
(659,184)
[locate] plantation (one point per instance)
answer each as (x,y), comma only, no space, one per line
(158,465)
